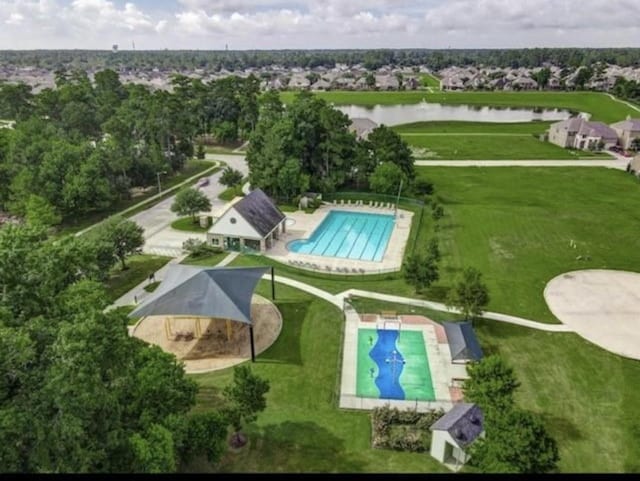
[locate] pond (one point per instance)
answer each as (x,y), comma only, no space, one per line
(427,111)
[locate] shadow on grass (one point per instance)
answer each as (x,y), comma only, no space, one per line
(302,447)
(564,430)
(286,349)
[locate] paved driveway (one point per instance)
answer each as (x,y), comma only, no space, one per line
(160,238)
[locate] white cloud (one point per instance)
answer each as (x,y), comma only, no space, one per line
(539,15)
(14,19)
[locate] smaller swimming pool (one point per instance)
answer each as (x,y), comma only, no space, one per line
(348,235)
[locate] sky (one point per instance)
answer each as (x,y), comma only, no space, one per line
(302,24)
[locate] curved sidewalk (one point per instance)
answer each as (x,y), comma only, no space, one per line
(437,306)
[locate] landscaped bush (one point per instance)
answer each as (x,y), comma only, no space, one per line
(402,430)
(198,248)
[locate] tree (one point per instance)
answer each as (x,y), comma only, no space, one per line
(433,250)
(153,450)
(190,201)
(39,211)
(470,295)
(246,398)
(420,271)
(386,178)
(231,177)
(387,145)
(491,384)
(370,80)
(200,153)
(125,237)
(516,441)
(635,144)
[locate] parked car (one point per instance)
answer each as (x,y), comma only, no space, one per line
(203,182)
(615,148)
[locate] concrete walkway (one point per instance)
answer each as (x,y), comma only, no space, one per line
(437,306)
(228,260)
(611,164)
(628,104)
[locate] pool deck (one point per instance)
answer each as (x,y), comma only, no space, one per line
(305,224)
(444,373)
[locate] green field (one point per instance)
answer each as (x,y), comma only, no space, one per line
(601,106)
(430,80)
(138,269)
(514,224)
(485,141)
(302,429)
(188,225)
(491,147)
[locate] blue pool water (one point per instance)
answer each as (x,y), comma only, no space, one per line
(349,235)
(390,364)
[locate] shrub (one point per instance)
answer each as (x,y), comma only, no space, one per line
(198,248)
(402,430)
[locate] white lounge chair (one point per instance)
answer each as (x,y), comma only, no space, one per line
(341,201)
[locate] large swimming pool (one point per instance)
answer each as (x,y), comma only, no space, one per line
(350,235)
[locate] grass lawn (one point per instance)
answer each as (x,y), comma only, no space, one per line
(302,430)
(187,224)
(491,147)
(459,127)
(514,224)
(429,80)
(587,396)
(139,267)
(601,106)
(210,260)
(485,141)
(231,192)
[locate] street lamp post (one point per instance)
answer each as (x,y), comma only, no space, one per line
(158,175)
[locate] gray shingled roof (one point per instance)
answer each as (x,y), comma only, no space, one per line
(220,292)
(463,422)
(362,125)
(597,129)
(628,124)
(259,211)
(463,344)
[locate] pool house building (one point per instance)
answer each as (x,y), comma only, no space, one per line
(253,223)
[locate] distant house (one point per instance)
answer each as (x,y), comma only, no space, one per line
(254,222)
(627,131)
(578,133)
(362,127)
(524,83)
(387,82)
(454,432)
(321,84)
(452,83)
(299,82)
(463,343)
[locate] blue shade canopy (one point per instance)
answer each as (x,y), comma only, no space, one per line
(223,292)
(463,342)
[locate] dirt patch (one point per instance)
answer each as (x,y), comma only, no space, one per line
(207,344)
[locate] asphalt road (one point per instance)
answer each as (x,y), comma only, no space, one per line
(159,237)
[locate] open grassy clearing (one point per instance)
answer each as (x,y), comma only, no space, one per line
(601,106)
(302,430)
(458,127)
(210,260)
(430,80)
(514,224)
(492,147)
(585,394)
(138,269)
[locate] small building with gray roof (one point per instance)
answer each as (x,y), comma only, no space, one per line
(454,432)
(254,223)
(362,127)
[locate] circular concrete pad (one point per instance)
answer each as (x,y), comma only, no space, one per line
(603,306)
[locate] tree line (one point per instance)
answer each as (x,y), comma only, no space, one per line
(309,146)
(77,393)
(216,60)
(82,145)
